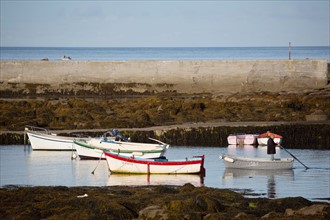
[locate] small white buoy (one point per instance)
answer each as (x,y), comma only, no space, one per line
(74,156)
(230,160)
(82,196)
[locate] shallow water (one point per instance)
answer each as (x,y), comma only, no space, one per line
(22,166)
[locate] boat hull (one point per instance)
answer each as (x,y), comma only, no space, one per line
(257,163)
(232,140)
(87,151)
(263,138)
(40,141)
(119,164)
(250,139)
(125,146)
(263,141)
(242,139)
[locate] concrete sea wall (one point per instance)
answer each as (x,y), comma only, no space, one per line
(188,76)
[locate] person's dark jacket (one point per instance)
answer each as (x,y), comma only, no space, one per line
(271,146)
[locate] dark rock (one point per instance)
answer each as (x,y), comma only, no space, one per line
(153,213)
(244,216)
(316,210)
(188,187)
(272,215)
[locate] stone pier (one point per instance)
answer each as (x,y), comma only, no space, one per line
(183,76)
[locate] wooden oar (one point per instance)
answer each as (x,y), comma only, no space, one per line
(294,157)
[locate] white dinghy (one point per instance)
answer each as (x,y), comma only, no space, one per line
(257,163)
(42,139)
(132,165)
(93,148)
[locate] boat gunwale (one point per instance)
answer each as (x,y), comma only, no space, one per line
(50,137)
(79,143)
(162,146)
(259,160)
(267,135)
(192,161)
(156,173)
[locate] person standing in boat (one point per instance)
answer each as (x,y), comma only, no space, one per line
(271,146)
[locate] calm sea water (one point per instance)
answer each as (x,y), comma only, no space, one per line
(164,53)
(22,166)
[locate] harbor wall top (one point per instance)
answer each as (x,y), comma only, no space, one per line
(189,76)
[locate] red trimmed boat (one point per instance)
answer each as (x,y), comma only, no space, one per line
(131,165)
(263,138)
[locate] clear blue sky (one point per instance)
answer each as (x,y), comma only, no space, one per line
(165,23)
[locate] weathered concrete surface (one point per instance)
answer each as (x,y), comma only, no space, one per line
(188,76)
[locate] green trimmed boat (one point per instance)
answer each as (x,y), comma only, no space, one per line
(94,147)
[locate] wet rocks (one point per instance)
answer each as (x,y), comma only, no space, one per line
(103,106)
(153,212)
(322,210)
(161,109)
(153,202)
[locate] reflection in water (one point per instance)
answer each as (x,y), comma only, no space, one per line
(245,150)
(271,188)
(27,149)
(154,179)
(271,176)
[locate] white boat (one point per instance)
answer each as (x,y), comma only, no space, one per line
(242,139)
(42,139)
(131,165)
(93,148)
(257,163)
(263,138)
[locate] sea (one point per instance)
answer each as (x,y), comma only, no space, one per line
(164,53)
(22,166)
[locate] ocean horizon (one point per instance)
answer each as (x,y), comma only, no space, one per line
(164,53)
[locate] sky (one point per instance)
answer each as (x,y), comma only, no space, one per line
(157,23)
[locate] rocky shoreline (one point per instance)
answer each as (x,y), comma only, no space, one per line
(176,118)
(149,202)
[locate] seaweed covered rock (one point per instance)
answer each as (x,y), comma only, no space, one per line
(313,211)
(153,213)
(153,202)
(94,111)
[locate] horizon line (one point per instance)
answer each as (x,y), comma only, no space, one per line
(157,46)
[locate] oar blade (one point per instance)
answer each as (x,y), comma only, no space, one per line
(294,157)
